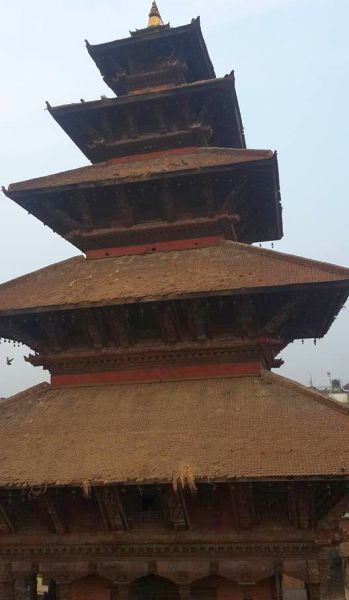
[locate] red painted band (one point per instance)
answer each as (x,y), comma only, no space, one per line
(158,374)
(150,155)
(213,240)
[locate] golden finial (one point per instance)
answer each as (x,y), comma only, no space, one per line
(155,19)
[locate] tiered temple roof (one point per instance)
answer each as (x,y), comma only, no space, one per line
(233,193)
(203,113)
(164,459)
(224,269)
(172,321)
(172,55)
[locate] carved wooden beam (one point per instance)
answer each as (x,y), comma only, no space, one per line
(174,509)
(106,127)
(204,112)
(92,328)
(49,506)
(247,316)
(163,126)
(182,497)
(198,319)
(118,325)
(168,322)
(187,113)
(209,198)
(126,209)
(243,505)
(111,508)
(6,524)
(301,504)
(167,203)
(132,125)
(281,317)
(331,508)
(237,191)
(50,327)
(48,208)
(85,212)
(14,330)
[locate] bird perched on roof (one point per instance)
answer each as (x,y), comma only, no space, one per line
(9,361)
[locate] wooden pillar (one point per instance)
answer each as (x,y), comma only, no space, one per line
(52,590)
(245,590)
(277,581)
(63,591)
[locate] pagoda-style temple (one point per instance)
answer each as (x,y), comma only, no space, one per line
(165,460)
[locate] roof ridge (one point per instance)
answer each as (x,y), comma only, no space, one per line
(44,385)
(314,394)
(15,280)
(301,260)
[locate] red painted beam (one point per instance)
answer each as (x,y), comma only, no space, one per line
(158,374)
(213,240)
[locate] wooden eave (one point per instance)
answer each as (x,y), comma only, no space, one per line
(29,198)
(225,83)
(103,54)
(24,189)
(78,113)
(342,286)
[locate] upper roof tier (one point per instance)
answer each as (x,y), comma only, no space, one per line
(257,427)
(170,196)
(157,56)
(225,269)
(196,114)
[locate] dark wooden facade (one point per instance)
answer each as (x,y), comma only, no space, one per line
(225,540)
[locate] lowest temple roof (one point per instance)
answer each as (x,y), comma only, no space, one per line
(252,427)
(221,269)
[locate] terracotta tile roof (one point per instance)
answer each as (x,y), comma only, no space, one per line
(248,427)
(227,268)
(119,171)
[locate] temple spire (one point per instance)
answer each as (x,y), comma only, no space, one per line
(155,19)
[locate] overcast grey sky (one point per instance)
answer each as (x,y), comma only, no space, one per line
(291,61)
